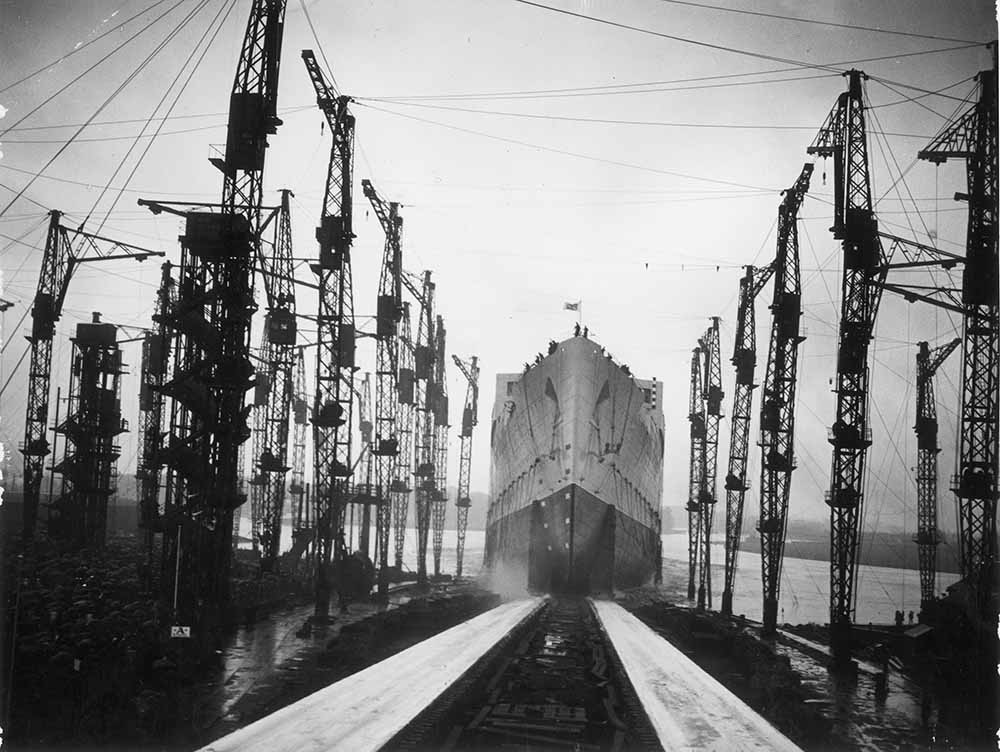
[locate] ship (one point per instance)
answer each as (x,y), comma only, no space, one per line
(576,474)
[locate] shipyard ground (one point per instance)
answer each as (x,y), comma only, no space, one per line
(123,695)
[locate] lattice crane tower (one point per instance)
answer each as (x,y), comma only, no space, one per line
(777,408)
(470,418)
(388,313)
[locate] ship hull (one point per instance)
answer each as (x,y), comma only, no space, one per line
(571,541)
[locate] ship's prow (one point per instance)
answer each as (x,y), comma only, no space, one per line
(577,473)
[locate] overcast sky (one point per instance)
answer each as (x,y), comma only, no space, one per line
(525,203)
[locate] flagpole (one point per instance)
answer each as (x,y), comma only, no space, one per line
(579,311)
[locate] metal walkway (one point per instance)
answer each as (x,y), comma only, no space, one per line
(364,711)
(687,707)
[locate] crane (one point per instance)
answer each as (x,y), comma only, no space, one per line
(843,137)
(711,395)
(928,362)
(212,368)
(439,409)
(363,490)
(696,416)
(745,362)
(155,358)
(469,369)
(302,517)
(65,250)
(275,386)
(335,335)
(388,314)
(972,136)
(777,409)
(423,358)
(404,464)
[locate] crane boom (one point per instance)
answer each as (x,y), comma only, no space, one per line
(777,409)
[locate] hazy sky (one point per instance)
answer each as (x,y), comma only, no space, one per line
(528,202)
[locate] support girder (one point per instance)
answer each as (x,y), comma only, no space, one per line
(404,462)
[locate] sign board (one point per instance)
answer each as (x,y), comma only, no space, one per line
(180,631)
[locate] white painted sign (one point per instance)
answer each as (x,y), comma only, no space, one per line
(180,631)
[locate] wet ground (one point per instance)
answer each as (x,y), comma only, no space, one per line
(904,714)
(267,666)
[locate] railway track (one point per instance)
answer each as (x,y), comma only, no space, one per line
(555,683)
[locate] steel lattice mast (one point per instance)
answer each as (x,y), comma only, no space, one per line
(388,313)
(439,409)
(712,395)
(696,416)
(276,385)
(155,358)
(972,136)
(843,137)
(404,463)
(470,418)
(745,361)
(777,409)
(64,251)
(926,428)
(333,406)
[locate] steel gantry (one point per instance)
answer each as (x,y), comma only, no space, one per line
(469,369)
(65,250)
(439,409)
(843,136)
(745,362)
(388,313)
(972,136)
(696,416)
(711,395)
(332,409)
(275,385)
(926,428)
(777,408)
(404,463)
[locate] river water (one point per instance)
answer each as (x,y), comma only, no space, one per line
(805,584)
